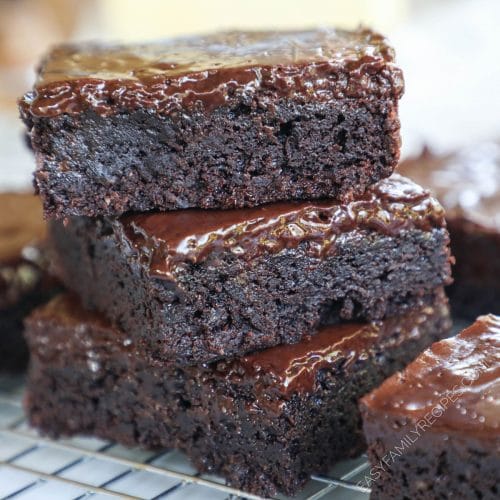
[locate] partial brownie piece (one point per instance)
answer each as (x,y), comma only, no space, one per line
(433,430)
(223,121)
(24,283)
(199,285)
(467,183)
(265,422)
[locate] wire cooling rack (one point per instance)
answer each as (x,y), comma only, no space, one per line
(36,468)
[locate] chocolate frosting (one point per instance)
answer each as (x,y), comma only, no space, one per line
(166,240)
(467,182)
(290,369)
(205,72)
(62,325)
(282,370)
(458,377)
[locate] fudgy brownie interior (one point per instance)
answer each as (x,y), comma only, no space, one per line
(196,286)
(265,422)
(223,121)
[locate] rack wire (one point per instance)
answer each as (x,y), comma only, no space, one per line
(36,468)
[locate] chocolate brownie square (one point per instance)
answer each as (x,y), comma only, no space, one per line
(198,285)
(222,121)
(24,282)
(433,430)
(265,421)
(467,183)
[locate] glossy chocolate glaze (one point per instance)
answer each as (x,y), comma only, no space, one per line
(458,377)
(285,369)
(467,182)
(293,368)
(205,72)
(168,239)
(62,325)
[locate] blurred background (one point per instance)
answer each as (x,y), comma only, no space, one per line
(448,50)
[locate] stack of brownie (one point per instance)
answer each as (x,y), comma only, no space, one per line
(243,264)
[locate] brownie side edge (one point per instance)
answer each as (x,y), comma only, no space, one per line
(258,443)
(226,306)
(234,157)
(410,460)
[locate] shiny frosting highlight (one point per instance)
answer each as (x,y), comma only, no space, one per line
(467,182)
(289,369)
(205,72)
(458,377)
(168,239)
(280,371)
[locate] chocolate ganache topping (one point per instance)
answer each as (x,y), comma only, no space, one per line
(168,239)
(206,72)
(458,379)
(467,182)
(93,339)
(280,371)
(289,369)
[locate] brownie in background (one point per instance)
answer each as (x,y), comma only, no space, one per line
(433,430)
(24,282)
(467,183)
(264,422)
(227,120)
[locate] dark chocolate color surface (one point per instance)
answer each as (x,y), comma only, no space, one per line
(459,376)
(236,419)
(198,286)
(294,367)
(389,207)
(208,72)
(288,369)
(466,182)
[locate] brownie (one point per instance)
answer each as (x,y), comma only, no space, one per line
(433,430)
(467,183)
(265,422)
(24,282)
(198,285)
(227,120)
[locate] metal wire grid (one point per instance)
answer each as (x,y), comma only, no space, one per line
(36,468)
